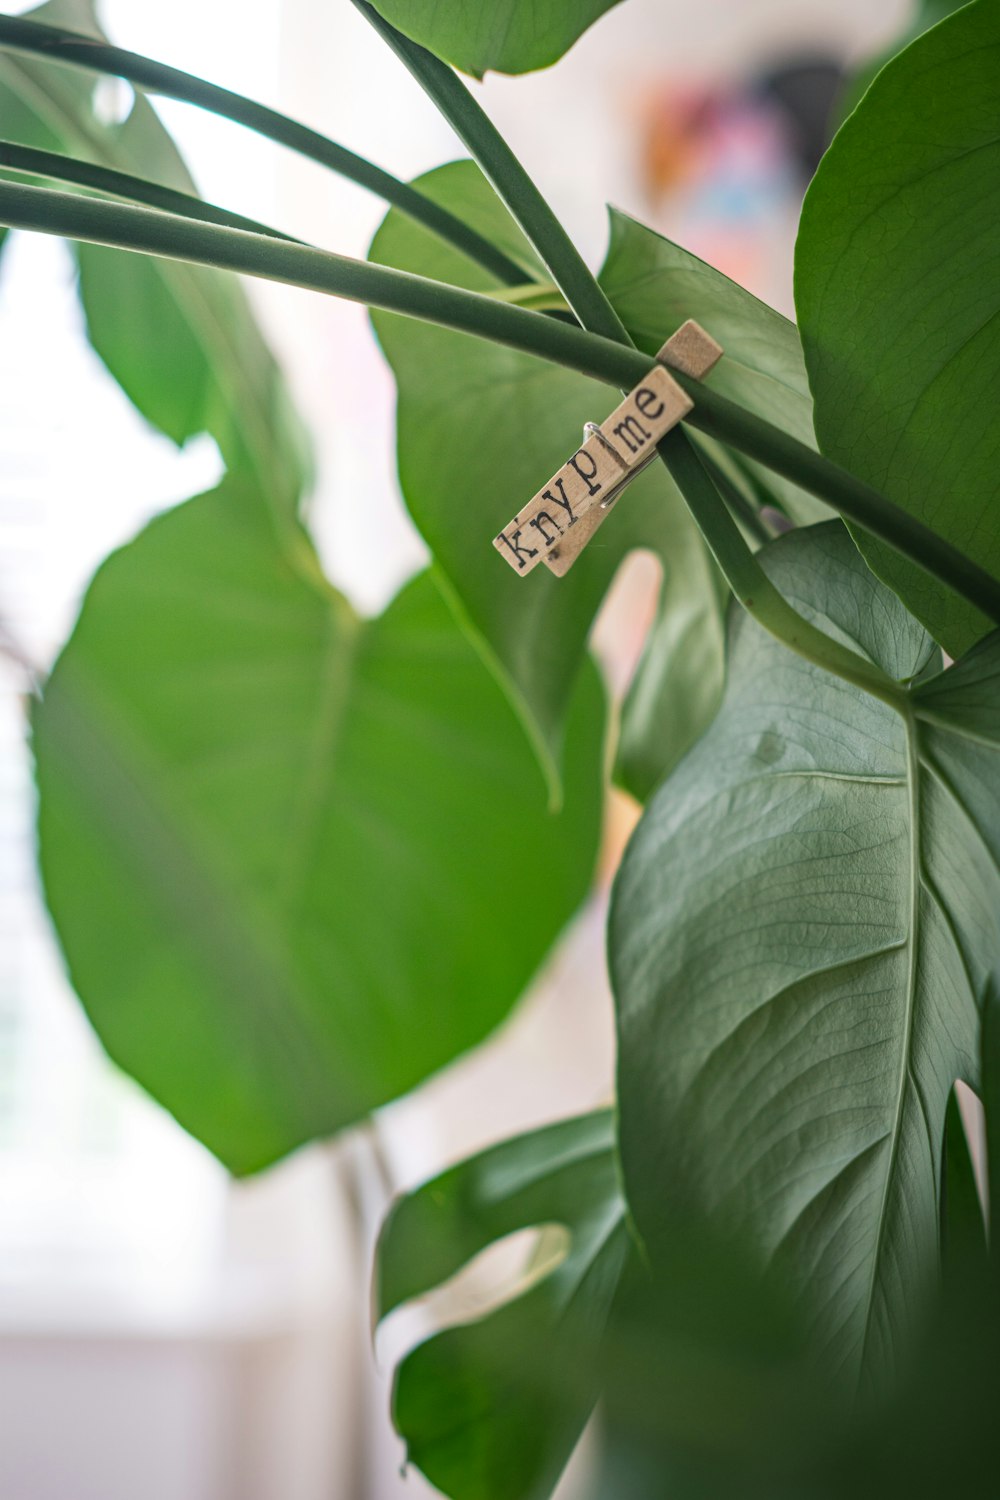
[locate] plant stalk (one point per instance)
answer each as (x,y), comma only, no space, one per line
(514,187)
(62,46)
(736,502)
(52,164)
(154,233)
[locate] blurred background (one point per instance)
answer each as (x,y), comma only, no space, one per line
(164,1332)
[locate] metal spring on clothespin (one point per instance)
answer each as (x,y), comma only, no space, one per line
(591,430)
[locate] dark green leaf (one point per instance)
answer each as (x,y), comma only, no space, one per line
(802,932)
(181,340)
(927,14)
(898,294)
(296,861)
(509,36)
(492,1409)
(481,427)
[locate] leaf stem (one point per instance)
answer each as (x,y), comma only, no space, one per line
(587,298)
(154,233)
(513,185)
(62,46)
(37,163)
(736,501)
(750,583)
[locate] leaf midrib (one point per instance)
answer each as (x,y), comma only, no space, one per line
(911,942)
(905,1066)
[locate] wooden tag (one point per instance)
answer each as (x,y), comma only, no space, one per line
(629,435)
(690,350)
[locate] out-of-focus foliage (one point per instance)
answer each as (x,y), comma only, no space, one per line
(181,340)
(493,1407)
(282,845)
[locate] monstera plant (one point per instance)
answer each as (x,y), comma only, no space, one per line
(275,836)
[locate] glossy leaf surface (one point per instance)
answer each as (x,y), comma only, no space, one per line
(804,927)
(898,295)
(297,861)
(491,1410)
(508,36)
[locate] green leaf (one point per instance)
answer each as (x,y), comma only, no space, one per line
(297,861)
(510,36)
(655,286)
(898,293)
(491,1410)
(927,14)
(200,364)
(803,929)
(675,692)
(481,427)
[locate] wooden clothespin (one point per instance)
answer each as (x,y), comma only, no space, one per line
(558,521)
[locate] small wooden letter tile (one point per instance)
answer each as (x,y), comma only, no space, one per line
(690,350)
(633,429)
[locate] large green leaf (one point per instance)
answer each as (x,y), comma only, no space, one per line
(180,339)
(510,36)
(491,1410)
(803,929)
(480,427)
(898,294)
(296,861)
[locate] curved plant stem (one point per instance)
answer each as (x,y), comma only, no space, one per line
(513,185)
(736,502)
(151,232)
(750,583)
(37,163)
(534,294)
(588,300)
(59,45)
